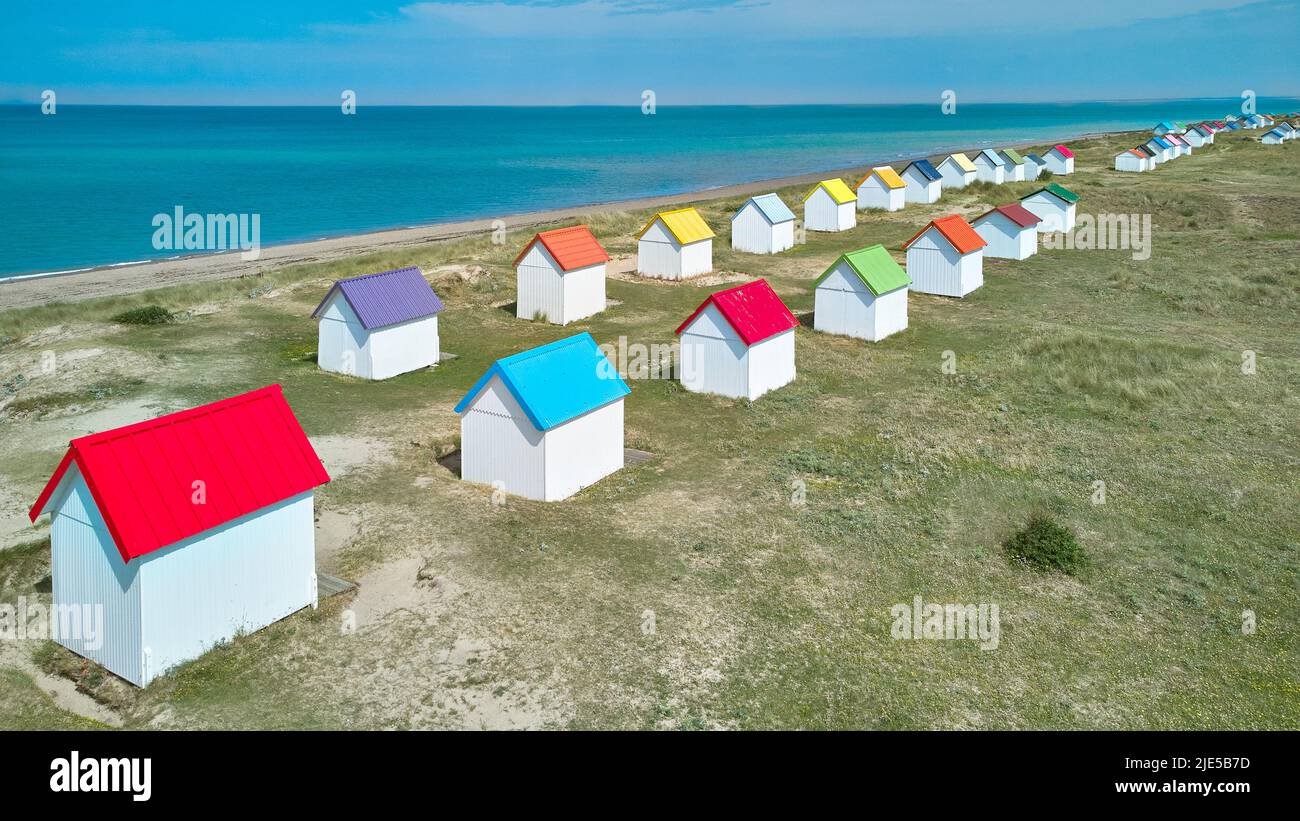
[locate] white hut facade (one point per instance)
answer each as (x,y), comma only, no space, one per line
(180,533)
(739,343)
(990,167)
(675,245)
(560,276)
(545,423)
(1011,232)
(863,295)
(1034,166)
(763,225)
(1015,165)
(379,325)
(882,189)
(946,258)
(1060,160)
(924,182)
(1131,160)
(830,206)
(1054,205)
(957,171)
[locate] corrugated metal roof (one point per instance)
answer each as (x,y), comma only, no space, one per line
(927,169)
(248,451)
(772,207)
(556,382)
(573,247)
(1063,151)
(1056,190)
(875,267)
(1015,212)
(963,162)
(839,192)
(753,310)
(993,157)
(685,224)
(386,298)
(886,174)
(1013,156)
(1034,158)
(958,233)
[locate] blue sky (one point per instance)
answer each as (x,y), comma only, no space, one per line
(549,52)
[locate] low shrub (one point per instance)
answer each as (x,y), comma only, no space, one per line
(1045,544)
(148,315)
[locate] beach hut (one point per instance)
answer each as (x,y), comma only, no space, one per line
(1055,205)
(946,258)
(1034,166)
(1131,160)
(738,343)
(1011,231)
(1162,150)
(1183,147)
(1287,131)
(1209,130)
(675,245)
(1195,138)
(957,171)
(378,325)
(882,188)
(1060,160)
(560,276)
(924,183)
(763,225)
(990,167)
(863,294)
(545,423)
(1148,157)
(1015,167)
(1232,126)
(1273,137)
(182,532)
(1166,127)
(830,206)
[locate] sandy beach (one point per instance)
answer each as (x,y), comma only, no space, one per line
(109,280)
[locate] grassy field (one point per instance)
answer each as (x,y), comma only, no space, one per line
(1073,367)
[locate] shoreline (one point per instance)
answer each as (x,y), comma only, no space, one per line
(120,278)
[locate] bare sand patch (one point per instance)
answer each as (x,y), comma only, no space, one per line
(343,454)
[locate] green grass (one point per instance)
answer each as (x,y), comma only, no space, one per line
(1072,367)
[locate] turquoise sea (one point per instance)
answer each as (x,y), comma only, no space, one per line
(82,186)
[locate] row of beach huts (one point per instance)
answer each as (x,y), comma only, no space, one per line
(197,526)
(1171,140)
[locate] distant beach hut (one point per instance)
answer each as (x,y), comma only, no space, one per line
(738,343)
(1148,157)
(378,325)
(1273,137)
(946,258)
(1195,138)
(863,294)
(1166,127)
(1034,166)
(1015,167)
(924,182)
(990,167)
(1130,160)
(882,188)
(1288,132)
(830,206)
(187,530)
(1162,150)
(1060,160)
(957,171)
(675,245)
(1235,126)
(560,276)
(1011,231)
(1054,205)
(763,225)
(544,423)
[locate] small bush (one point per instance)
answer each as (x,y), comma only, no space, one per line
(148,315)
(1046,545)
